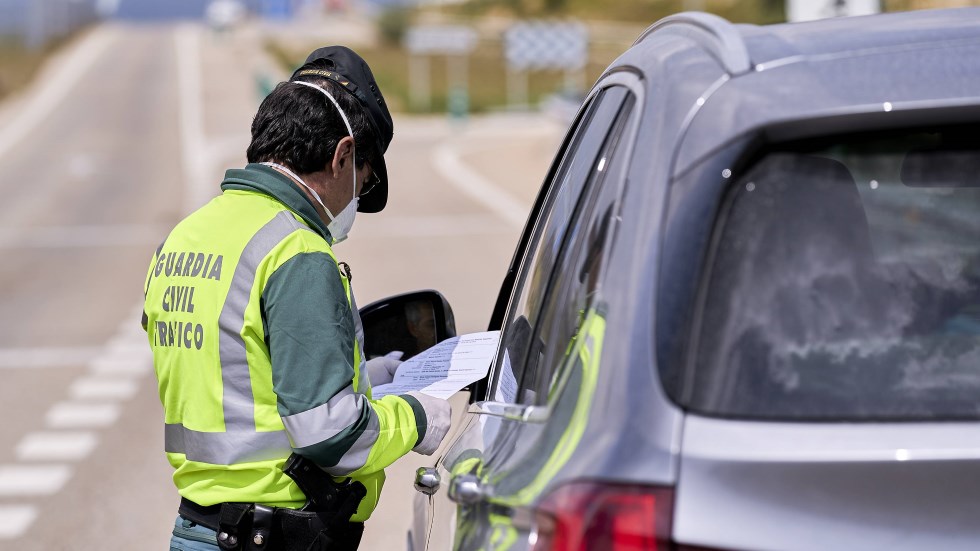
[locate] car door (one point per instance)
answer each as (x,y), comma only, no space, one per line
(506,442)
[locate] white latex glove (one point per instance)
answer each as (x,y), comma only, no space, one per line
(438,415)
(381,370)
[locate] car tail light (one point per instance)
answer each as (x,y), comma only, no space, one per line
(589,516)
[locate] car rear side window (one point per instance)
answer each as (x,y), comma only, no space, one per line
(842,282)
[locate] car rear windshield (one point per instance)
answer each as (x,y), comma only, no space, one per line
(841,281)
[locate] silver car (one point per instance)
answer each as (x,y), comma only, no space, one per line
(745,311)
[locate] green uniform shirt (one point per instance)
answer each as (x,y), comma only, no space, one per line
(255,351)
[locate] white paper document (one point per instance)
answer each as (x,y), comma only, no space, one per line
(446,368)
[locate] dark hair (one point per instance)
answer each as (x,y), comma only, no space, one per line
(300,127)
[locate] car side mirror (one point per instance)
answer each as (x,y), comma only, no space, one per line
(409,323)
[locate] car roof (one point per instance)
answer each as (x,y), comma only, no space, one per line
(854,34)
(737,79)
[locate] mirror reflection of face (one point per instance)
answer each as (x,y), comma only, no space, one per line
(421,322)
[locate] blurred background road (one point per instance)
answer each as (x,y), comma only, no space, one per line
(128,128)
(116,119)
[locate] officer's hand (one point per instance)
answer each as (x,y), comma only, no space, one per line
(381,370)
(438,415)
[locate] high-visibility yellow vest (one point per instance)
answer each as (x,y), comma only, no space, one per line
(224,436)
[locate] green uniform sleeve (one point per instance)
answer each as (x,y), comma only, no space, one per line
(310,332)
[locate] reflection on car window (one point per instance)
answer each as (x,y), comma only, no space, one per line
(844,284)
(576,294)
(577,287)
(585,158)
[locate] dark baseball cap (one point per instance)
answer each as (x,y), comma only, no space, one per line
(351,72)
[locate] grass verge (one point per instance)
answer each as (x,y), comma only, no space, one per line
(18,64)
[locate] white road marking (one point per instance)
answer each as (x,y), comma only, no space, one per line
(56,87)
(119,235)
(97,405)
(56,446)
(447,162)
(101,388)
(16,520)
(74,415)
(130,327)
(32,480)
(29,358)
(192,139)
(121,365)
(134,346)
(130,330)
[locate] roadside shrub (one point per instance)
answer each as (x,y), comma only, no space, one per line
(392,25)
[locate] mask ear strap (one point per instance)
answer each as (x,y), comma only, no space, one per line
(343,116)
(293,175)
(332,100)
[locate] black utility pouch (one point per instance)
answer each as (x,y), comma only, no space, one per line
(234,522)
(300,529)
(263,519)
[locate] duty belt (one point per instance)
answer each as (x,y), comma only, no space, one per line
(255,527)
(323,523)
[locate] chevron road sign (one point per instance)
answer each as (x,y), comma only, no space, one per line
(543,45)
(546,45)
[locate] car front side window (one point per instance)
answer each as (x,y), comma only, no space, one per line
(519,358)
(576,289)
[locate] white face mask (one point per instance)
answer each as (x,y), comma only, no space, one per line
(341,224)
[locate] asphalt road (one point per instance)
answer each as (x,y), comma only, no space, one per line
(129,128)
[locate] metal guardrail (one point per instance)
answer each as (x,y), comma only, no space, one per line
(35,23)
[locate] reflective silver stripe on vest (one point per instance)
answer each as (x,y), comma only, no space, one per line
(226,448)
(357,455)
(327,420)
(238,402)
(240,442)
(363,384)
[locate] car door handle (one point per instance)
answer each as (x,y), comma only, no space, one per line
(513,412)
(466,489)
(427,480)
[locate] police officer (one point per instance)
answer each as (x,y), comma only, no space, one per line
(254,329)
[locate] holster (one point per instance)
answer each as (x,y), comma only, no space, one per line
(254,527)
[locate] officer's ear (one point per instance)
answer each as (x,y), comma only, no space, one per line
(343,155)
